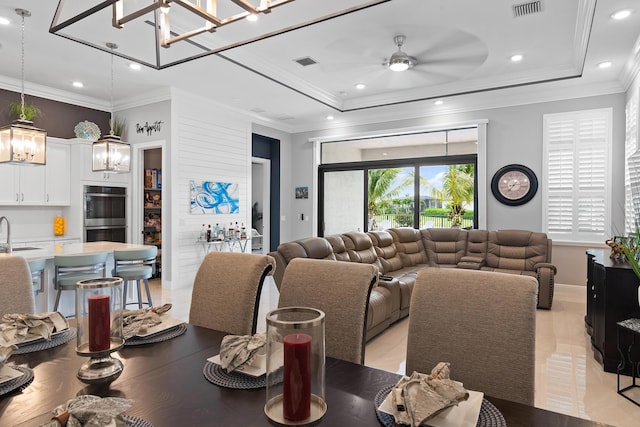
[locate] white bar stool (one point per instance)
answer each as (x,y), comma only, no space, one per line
(135,265)
(70,269)
(37,274)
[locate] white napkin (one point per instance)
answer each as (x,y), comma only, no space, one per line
(18,328)
(135,321)
(420,397)
(90,411)
(238,350)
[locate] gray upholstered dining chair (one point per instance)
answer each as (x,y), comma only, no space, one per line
(483,323)
(16,286)
(340,289)
(226,291)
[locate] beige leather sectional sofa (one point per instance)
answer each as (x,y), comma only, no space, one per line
(399,253)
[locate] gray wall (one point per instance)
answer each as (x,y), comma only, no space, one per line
(514,135)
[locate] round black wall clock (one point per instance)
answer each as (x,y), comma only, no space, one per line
(514,185)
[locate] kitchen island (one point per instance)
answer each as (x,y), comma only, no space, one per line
(46,298)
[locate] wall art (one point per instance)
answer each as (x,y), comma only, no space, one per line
(302,192)
(208,197)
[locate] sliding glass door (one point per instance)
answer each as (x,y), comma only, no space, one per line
(342,200)
(423,193)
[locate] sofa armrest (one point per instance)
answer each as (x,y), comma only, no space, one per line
(471,262)
(545,273)
(546,265)
(395,298)
(281,265)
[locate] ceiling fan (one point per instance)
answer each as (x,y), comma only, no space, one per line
(400,61)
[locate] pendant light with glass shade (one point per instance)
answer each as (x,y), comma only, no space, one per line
(21,142)
(110,154)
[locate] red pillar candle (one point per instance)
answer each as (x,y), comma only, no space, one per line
(296,393)
(99,323)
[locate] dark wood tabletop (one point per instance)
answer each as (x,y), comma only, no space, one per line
(169,389)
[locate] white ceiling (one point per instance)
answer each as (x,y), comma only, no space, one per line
(462,48)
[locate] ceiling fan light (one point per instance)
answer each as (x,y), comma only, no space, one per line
(399,61)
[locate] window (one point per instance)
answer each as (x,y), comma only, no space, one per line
(577,175)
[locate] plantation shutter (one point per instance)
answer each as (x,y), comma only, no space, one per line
(577,175)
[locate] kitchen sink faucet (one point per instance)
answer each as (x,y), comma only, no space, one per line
(6,247)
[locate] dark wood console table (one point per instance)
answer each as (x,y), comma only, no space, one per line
(612,296)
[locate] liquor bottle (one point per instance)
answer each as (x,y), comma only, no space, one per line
(216,232)
(243,231)
(203,233)
(230,231)
(237,231)
(220,236)
(209,233)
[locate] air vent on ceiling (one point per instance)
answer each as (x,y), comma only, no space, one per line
(528,8)
(284,117)
(307,60)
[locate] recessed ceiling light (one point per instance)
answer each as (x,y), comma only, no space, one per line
(252,17)
(606,64)
(516,58)
(384,154)
(78,84)
(4,21)
(621,14)
(360,86)
(135,66)
(439,102)
(330,117)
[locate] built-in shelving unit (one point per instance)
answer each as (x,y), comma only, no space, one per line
(152,231)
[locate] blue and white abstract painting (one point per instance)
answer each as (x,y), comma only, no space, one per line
(209,197)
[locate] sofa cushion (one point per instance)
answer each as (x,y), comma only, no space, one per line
(339,249)
(444,246)
(477,243)
(291,250)
(317,248)
(516,250)
(386,251)
(408,241)
(360,248)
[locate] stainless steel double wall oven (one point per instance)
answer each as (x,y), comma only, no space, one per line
(105,213)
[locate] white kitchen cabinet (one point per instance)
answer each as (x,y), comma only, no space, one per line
(22,185)
(103,177)
(29,185)
(58,175)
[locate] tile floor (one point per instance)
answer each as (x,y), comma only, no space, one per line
(568,379)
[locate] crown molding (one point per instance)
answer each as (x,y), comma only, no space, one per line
(584,22)
(160,95)
(503,98)
(46,92)
(632,67)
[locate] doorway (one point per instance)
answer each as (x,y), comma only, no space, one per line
(260,205)
(266,151)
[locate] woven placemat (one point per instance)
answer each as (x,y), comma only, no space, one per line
(136,422)
(217,375)
(489,416)
(19,383)
(159,337)
(57,339)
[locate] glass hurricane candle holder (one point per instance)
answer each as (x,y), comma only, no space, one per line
(295,366)
(99,316)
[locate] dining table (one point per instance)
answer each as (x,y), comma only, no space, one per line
(166,383)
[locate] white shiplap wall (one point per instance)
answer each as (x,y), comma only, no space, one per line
(208,143)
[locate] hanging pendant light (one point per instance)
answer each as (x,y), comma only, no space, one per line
(21,142)
(110,154)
